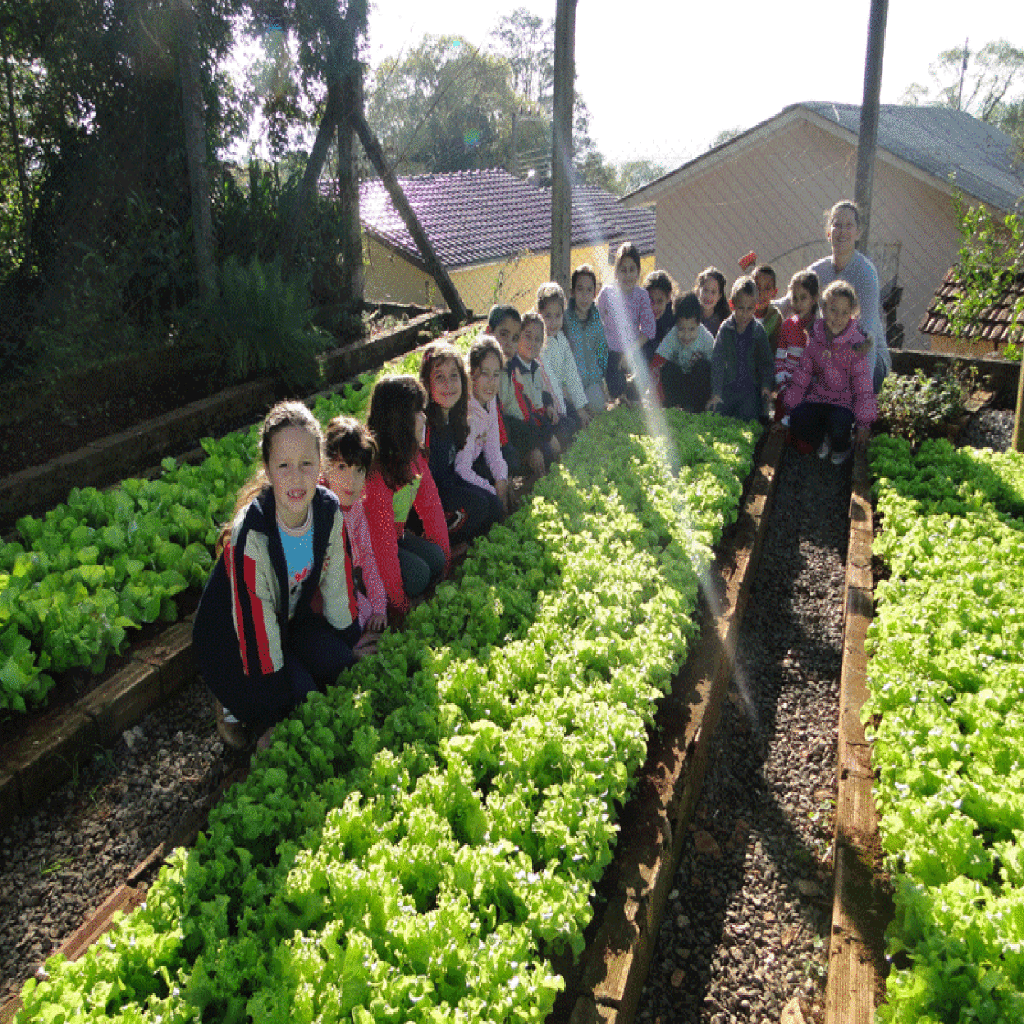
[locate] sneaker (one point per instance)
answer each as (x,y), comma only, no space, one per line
(230,729)
(838,458)
(824,448)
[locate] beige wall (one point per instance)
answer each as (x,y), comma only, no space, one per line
(514,281)
(771,198)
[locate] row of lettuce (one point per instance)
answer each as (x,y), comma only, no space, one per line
(95,569)
(421,842)
(947,719)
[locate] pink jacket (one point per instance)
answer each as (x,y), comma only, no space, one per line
(484,436)
(375,600)
(836,372)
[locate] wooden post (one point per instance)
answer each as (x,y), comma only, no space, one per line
(561,139)
(867,138)
(408,215)
(351,235)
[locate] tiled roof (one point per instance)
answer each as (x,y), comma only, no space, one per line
(993,324)
(475,217)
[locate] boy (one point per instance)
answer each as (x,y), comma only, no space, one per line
(527,400)
(660,288)
(558,360)
(504,324)
(682,364)
(770,317)
(742,365)
(585,333)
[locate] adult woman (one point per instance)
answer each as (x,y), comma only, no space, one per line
(842,227)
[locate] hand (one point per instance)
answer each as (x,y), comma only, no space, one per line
(377,623)
(501,489)
(365,646)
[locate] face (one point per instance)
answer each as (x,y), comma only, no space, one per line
(553,315)
(709,293)
(801,300)
(507,333)
(837,314)
(659,301)
(293,469)
(583,293)
(445,383)
(531,341)
(743,306)
(766,291)
(627,273)
(486,378)
(687,330)
(346,481)
(843,232)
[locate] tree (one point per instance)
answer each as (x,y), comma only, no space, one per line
(528,43)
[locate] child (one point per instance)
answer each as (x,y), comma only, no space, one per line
(832,387)
(714,307)
(660,287)
(258,643)
(348,454)
(484,440)
(742,366)
(682,364)
(627,316)
(399,482)
(584,331)
(504,323)
(803,300)
(470,510)
(558,360)
(527,400)
(770,317)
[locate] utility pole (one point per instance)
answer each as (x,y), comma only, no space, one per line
(561,141)
(867,138)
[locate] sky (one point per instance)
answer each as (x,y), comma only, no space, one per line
(662,80)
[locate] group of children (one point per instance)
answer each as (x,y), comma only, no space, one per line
(338,532)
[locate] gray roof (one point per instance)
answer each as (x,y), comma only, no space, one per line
(474,217)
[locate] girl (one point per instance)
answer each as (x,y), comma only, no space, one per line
(469,509)
(259,645)
(710,287)
(585,332)
(831,386)
(349,451)
(794,334)
(399,482)
(628,320)
(484,440)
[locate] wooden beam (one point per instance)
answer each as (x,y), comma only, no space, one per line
(561,142)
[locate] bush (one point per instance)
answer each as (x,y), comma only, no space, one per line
(918,406)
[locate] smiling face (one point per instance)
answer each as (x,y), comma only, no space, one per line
(686,330)
(802,302)
(659,301)
(583,293)
(743,307)
(552,314)
(627,273)
(445,383)
(843,233)
(486,378)
(507,334)
(531,341)
(346,481)
(709,293)
(838,313)
(293,468)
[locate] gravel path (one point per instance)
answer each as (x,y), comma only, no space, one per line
(747,922)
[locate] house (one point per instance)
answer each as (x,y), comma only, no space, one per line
(768,189)
(995,326)
(492,233)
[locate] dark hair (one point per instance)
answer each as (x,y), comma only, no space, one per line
(533,317)
(765,269)
(583,270)
(392,419)
(351,442)
(722,306)
(627,251)
(458,415)
(484,346)
(745,285)
(499,313)
(686,307)
(808,280)
(843,204)
(660,280)
(549,291)
(842,290)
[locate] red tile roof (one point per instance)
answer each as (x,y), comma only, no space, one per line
(994,323)
(476,217)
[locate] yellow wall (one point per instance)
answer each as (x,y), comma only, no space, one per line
(390,278)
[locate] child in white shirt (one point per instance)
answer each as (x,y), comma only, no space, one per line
(558,360)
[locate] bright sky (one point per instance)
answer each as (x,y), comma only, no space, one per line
(660,86)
